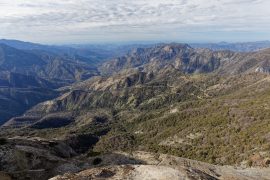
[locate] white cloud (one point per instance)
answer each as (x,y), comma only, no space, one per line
(107,20)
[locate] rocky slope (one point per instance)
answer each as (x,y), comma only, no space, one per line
(161,166)
(36,158)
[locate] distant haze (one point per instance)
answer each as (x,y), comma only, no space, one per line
(102,21)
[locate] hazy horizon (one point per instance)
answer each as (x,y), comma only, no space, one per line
(131,42)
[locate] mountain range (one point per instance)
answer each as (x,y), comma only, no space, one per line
(199,103)
(240,46)
(32,76)
(29,68)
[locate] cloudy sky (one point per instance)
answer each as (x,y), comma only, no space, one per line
(91,21)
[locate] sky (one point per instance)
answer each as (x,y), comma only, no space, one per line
(101,21)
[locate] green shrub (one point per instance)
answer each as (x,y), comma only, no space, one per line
(93,154)
(97,161)
(3,141)
(249,163)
